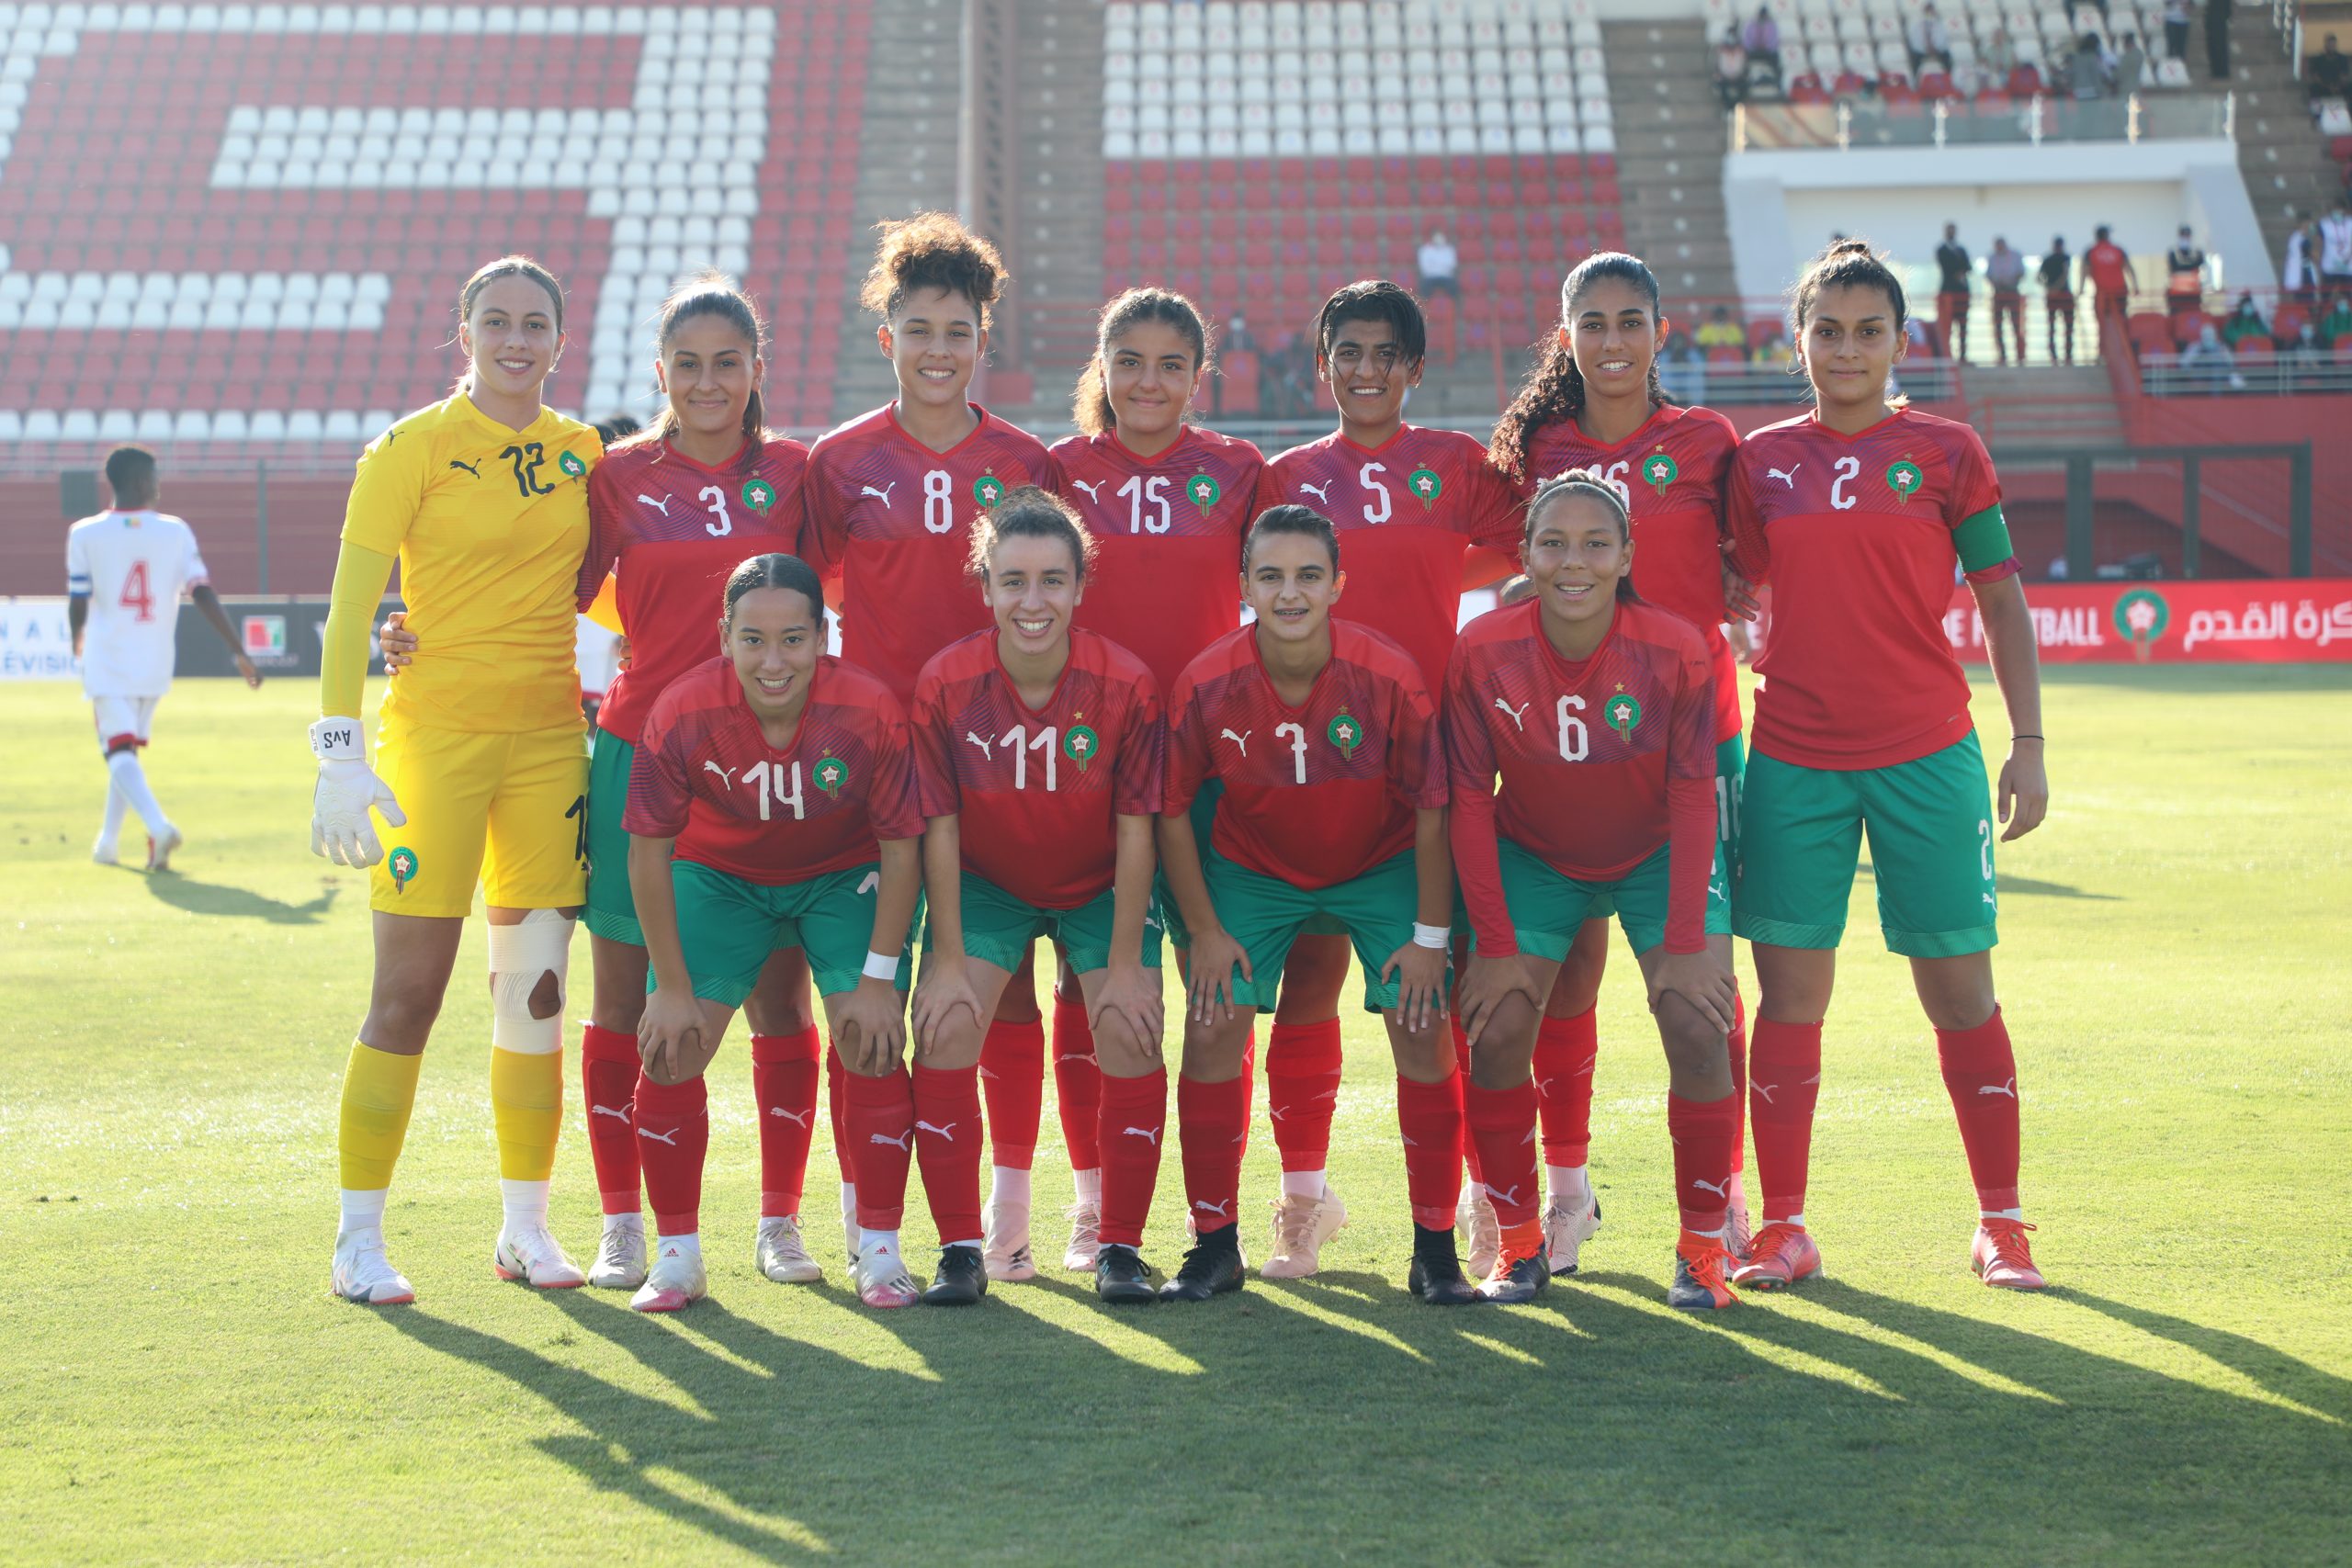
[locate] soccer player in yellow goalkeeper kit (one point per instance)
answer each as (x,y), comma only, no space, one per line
(482,758)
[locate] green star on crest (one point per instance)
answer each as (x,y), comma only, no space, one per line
(1081,745)
(988,490)
(1622,711)
(830,776)
(759,495)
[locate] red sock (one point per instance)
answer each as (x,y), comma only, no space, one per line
(783,1082)
(837,1112)
(673,1126)
(1135,1111)
(1566,1049)
(879,1115)
(1012,1075)
(947,1142)
(1704,1133)
(609,1069)
(1783,1082)
(1470,1162)
(1737,1043)
(1302,1090)
(1502,1123)
(1981,1076)
(1429,1116)
(1078,1082)
(1212,1122)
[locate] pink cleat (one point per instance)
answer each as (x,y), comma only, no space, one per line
(880,1275)
(1781,1254)
(2001,1257)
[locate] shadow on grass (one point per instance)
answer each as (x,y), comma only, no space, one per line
(238,903)
(2024,885)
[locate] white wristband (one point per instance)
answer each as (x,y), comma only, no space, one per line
(881,966)
(1430,936)
(337,740)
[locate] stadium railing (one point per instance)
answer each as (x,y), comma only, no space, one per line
(1863,122)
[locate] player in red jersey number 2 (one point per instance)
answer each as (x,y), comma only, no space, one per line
(1860,511)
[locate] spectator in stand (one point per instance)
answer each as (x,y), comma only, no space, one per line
(1999,55)
(1929,39)
(1956,270)
(2005,272)
(2208,365)
(2303,355)
(2131,66)
(2057,274)
(2110,272)
(2176,15)
(1731,68)
(2335,329)
(2335,248)
(2086,68)
(2328,73)
(1682,370)
(2244,323)
(1238,336)
(2217,38)
(2184,276)
(1441,266)
(2298,274)
(1761,38)
(1773,351)
(1722,332)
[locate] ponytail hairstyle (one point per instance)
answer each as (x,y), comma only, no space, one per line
(1374,300)
(931,249)
(1554,390)
(1846,264)
(1029,512)
(490,273)
(712,293)
(1091,407)
(1303,521)
(774,571)
(1583,482)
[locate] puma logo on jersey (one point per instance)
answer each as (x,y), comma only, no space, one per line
(1240,740)
(1093,491)
(2010,1089)
(1788,479)
(1518,715)
(905,1141)
(987,746)
(670,1137)
(1321,493)
(1718,1191)
(468,466)
(621,1115)
(882,495)
(801,1120)
(662,506)
(724,776)
(1148,1134)
(948,1132)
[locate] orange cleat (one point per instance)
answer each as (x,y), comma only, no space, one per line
(1698,1265)
(1781,1254)
(2001,1257)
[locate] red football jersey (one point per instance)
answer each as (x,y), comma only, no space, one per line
(1602,759)
(1167,582)
(1408,512)
(1855,533)
(1331,789)
(673,529)
(1038,790)
(707,776)
(892,518)
(1672,473)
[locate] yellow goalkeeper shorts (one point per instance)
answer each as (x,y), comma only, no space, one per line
(505,812)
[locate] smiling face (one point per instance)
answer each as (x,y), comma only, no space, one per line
(1032,589)
(510,336)
(773,636)
(709,372)
(1851,341)
(933,340)
(1614,332)
(1291,584)
(1368,372)
(1576,550)
(1150,373)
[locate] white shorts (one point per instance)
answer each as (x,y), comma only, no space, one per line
(120,716)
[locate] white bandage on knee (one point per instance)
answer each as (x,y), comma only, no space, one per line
(519,954)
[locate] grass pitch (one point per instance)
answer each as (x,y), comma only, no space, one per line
(180,1387)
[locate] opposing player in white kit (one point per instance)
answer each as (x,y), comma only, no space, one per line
(125,569)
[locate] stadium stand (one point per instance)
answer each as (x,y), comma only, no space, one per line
(1998,48)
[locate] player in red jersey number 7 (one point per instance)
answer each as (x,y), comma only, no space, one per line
(1860,511)
(1596,710)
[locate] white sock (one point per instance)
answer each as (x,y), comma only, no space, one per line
(131,779)
(878,1244)
(690,1244)
(1794,1221)
(976,1242)
(525,1201)
(1008,1186)
(2018,1214)
(1472,1192)
(110,830)
(1304,1184)
(1089,1185)
(362,1210)
(1568,1186)
(849,1202)
(624,1222)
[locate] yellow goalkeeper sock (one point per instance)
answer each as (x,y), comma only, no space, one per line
(526,1098)
(379,1090)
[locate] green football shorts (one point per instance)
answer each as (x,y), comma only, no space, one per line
(1265,915)
(728,927)
(1000,927)
(612,908)
(1547,909)
(1930,826)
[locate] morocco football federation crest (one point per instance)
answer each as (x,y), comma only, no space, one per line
(1346,732)
(1658,470)
(759,495)
(1425,485)
(571,465)
(1203,491)
(830,776)
(1080,744)
(2140,618)
(1903,477)
(988,490)
(1622,712)
(402,864)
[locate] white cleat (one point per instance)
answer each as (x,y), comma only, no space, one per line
(1481,1232)
(159,851)
(1302,1224)
(1085,1237)
(533,1255)
(1565,1231)
(782,1254)
(882,1280)
(675,1282)
(1004,1250)
(620,1257)
(106,852)
(363,1274)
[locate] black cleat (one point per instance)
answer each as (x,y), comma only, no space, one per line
(1211,1267)
(1517,1280)
(1436,1275)
(1121,1276)
(960,1281)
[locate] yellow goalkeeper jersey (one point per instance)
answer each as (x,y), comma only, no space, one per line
(489,526)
